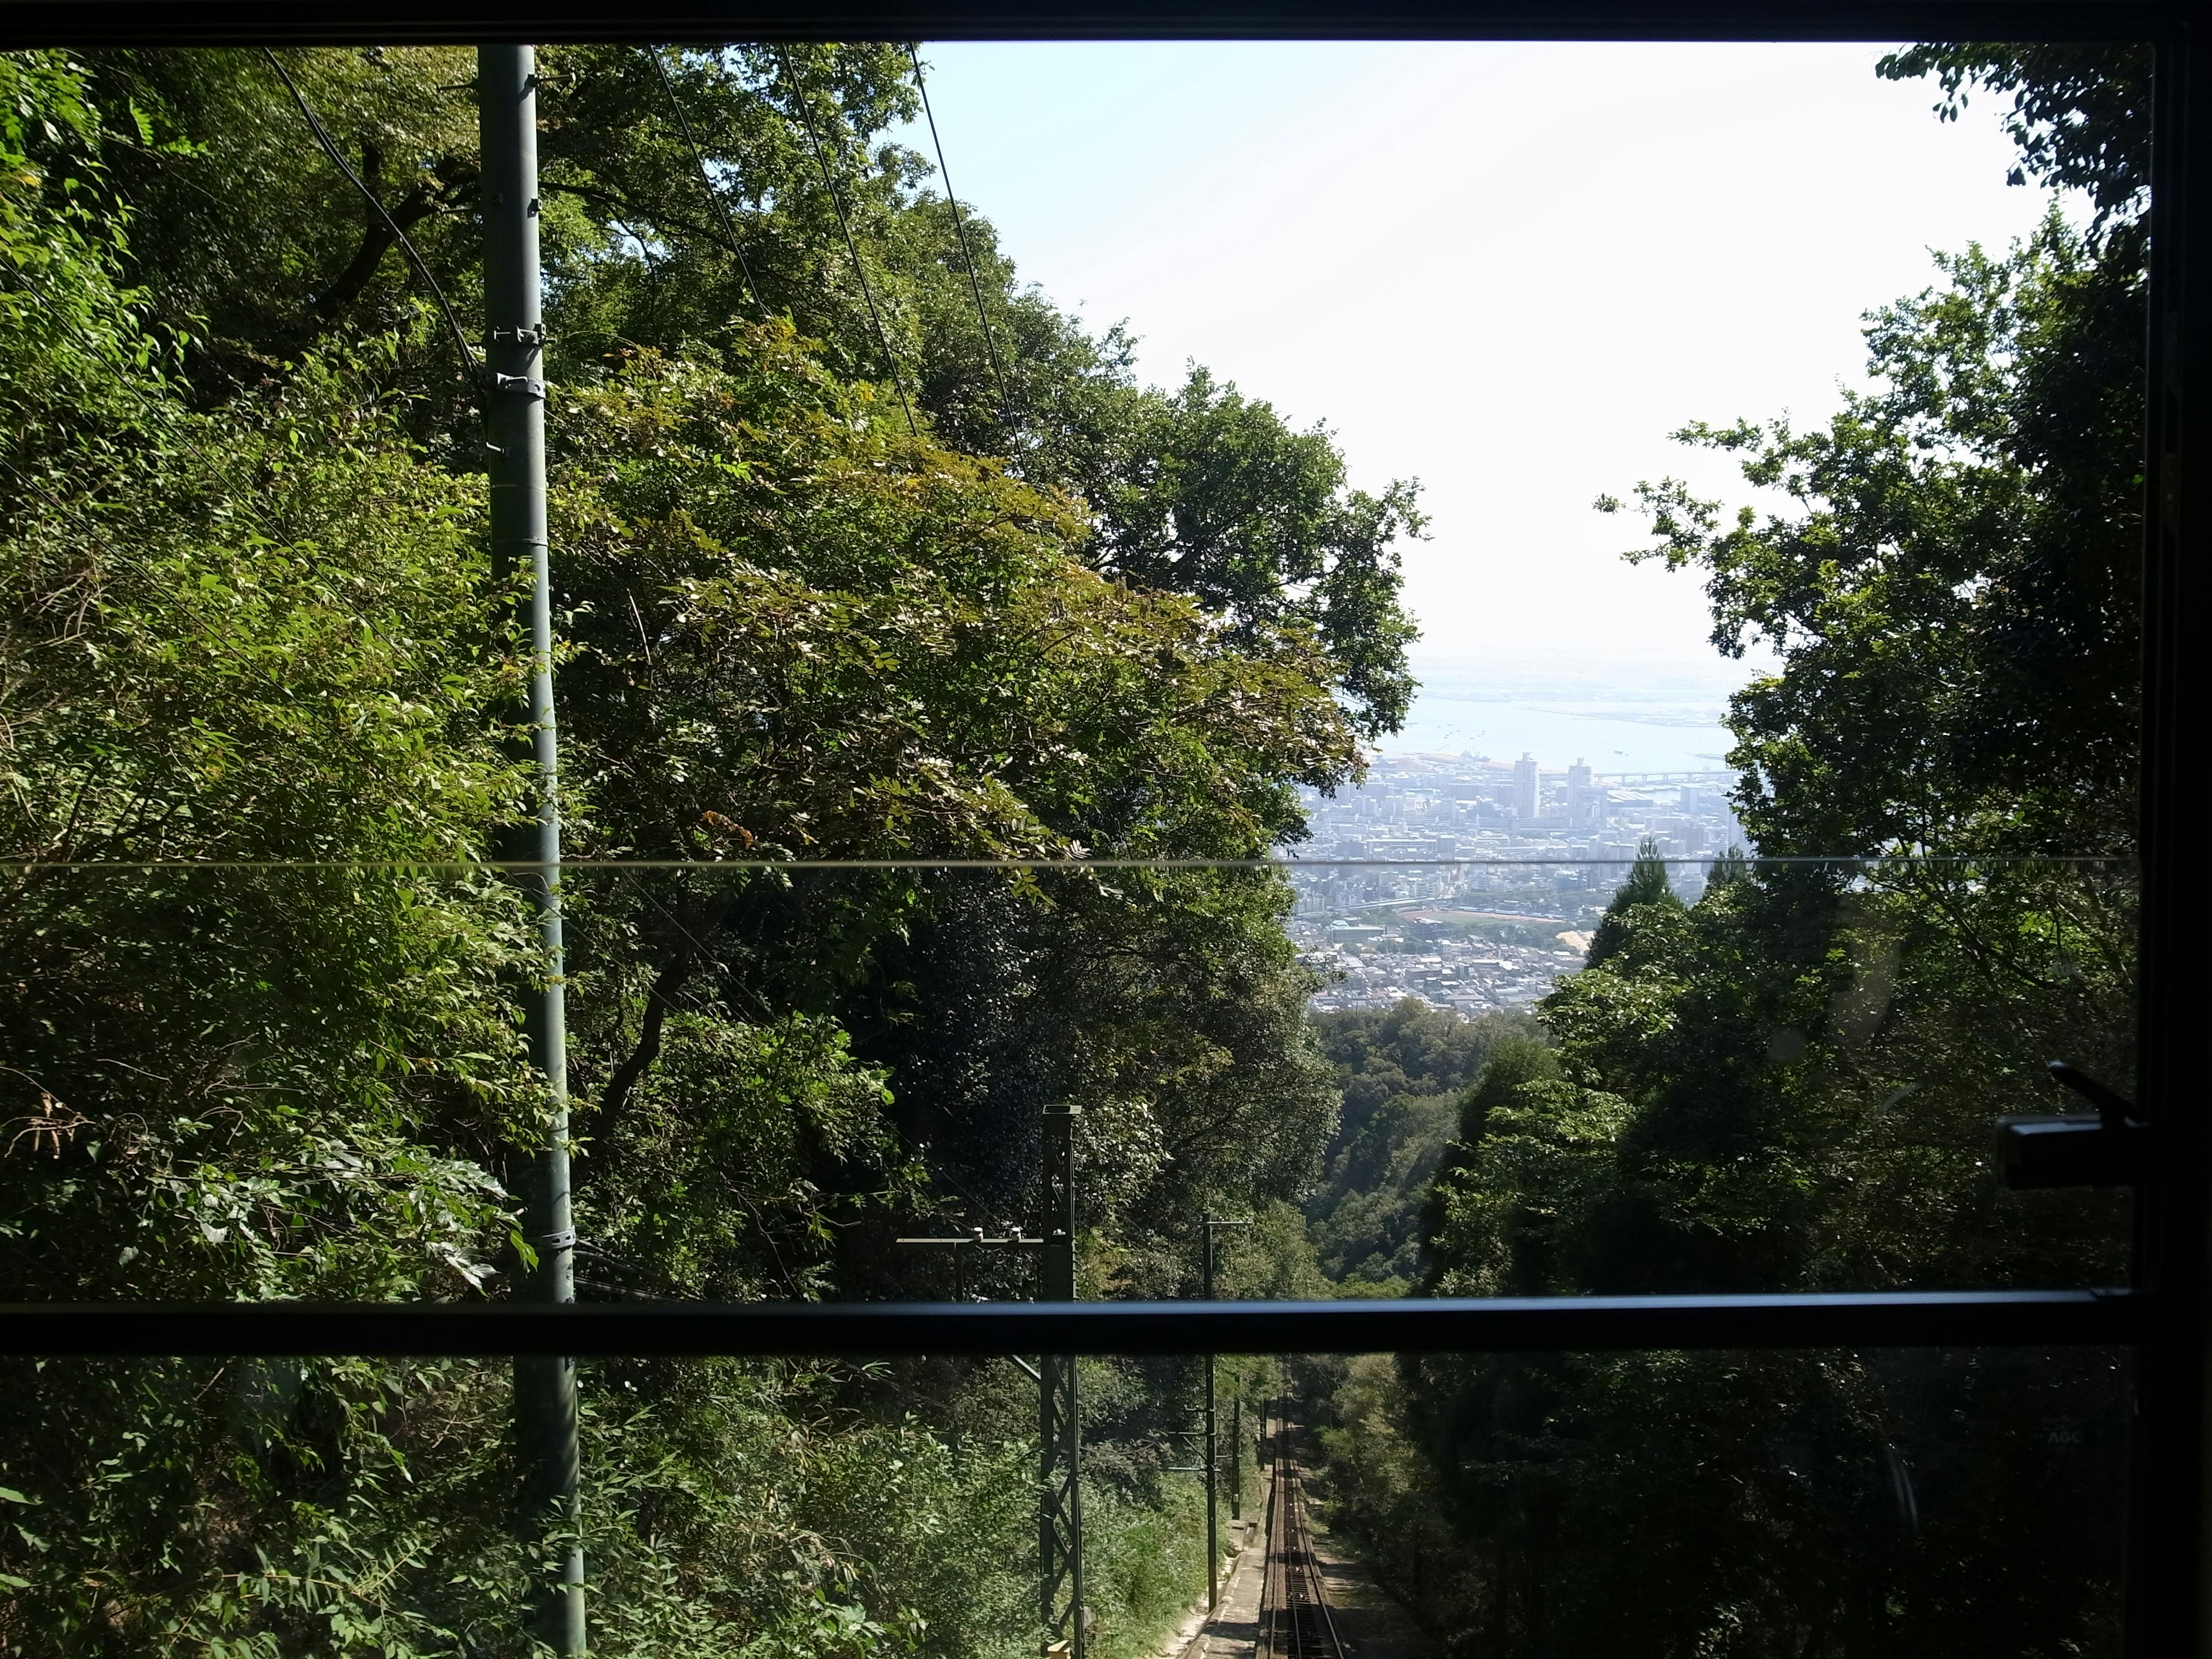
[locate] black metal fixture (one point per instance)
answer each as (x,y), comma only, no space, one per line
(2108,1147)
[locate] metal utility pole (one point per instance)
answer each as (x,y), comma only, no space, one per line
(1207,1225)
(1236,1455)
(514,402)
(1060,1426)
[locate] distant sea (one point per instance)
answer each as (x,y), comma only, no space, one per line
(1619,717)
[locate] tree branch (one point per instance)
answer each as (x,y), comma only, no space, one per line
(377,240)
(657,1001)
(666,984)
(619,206)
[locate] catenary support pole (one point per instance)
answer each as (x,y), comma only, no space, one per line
(1212,1445)
(514,399)
(1060,1427)
(1236,1453)
(1207,1226)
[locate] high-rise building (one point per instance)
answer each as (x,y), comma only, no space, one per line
(1527,794)
(1581,797)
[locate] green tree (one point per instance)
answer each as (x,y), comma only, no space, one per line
(1207,493)
(1647,884)
(263,249)
(1408,1048)
(240,639)
(2079,116)
(1400,1071)
(249,628)
(1790,1083)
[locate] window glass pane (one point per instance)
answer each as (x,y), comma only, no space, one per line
(1917,1502)
(1943,1501)
(1209,782)
(1710,1074)
(1497,1077)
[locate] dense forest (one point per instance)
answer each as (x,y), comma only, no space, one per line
(1401,1071)
(863,551)
(1790,1083)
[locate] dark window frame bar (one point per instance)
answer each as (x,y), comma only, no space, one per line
(2164,1317)
(420,22)
(1949,1319)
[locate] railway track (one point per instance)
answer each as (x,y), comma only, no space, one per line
(1295,1620)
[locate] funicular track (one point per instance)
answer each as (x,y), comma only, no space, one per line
(1295,1620)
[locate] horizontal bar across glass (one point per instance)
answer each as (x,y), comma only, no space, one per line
(878,1329)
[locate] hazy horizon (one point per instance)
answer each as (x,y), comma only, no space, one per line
(1630,716)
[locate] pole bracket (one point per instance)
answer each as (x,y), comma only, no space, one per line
(2109,1147)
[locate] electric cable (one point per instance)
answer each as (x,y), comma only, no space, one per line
(331,150)
(707,178)
(838,201)
(960,229)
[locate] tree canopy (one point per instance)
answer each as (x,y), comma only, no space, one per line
(260,1039)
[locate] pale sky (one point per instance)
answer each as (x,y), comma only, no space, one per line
(1507,270)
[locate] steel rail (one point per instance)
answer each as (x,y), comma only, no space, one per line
(1884,1319)
(1313,1588)
(1275,1580)
(1275,1561)
(1296,1621)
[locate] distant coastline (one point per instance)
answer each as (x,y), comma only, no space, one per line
(1620,716)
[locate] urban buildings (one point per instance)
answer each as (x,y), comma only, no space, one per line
(1472,884)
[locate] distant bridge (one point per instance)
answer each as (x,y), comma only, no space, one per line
(1663,777)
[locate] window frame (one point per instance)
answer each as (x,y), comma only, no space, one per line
(2162,1315)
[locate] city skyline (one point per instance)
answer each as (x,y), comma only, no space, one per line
(1473,883)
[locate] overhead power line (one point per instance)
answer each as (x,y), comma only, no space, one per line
(838,201)
(707,177)
(331,150)
(960,229)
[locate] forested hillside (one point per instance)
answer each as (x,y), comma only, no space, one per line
(1402,1071)
(1791,1083)
(824,590)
